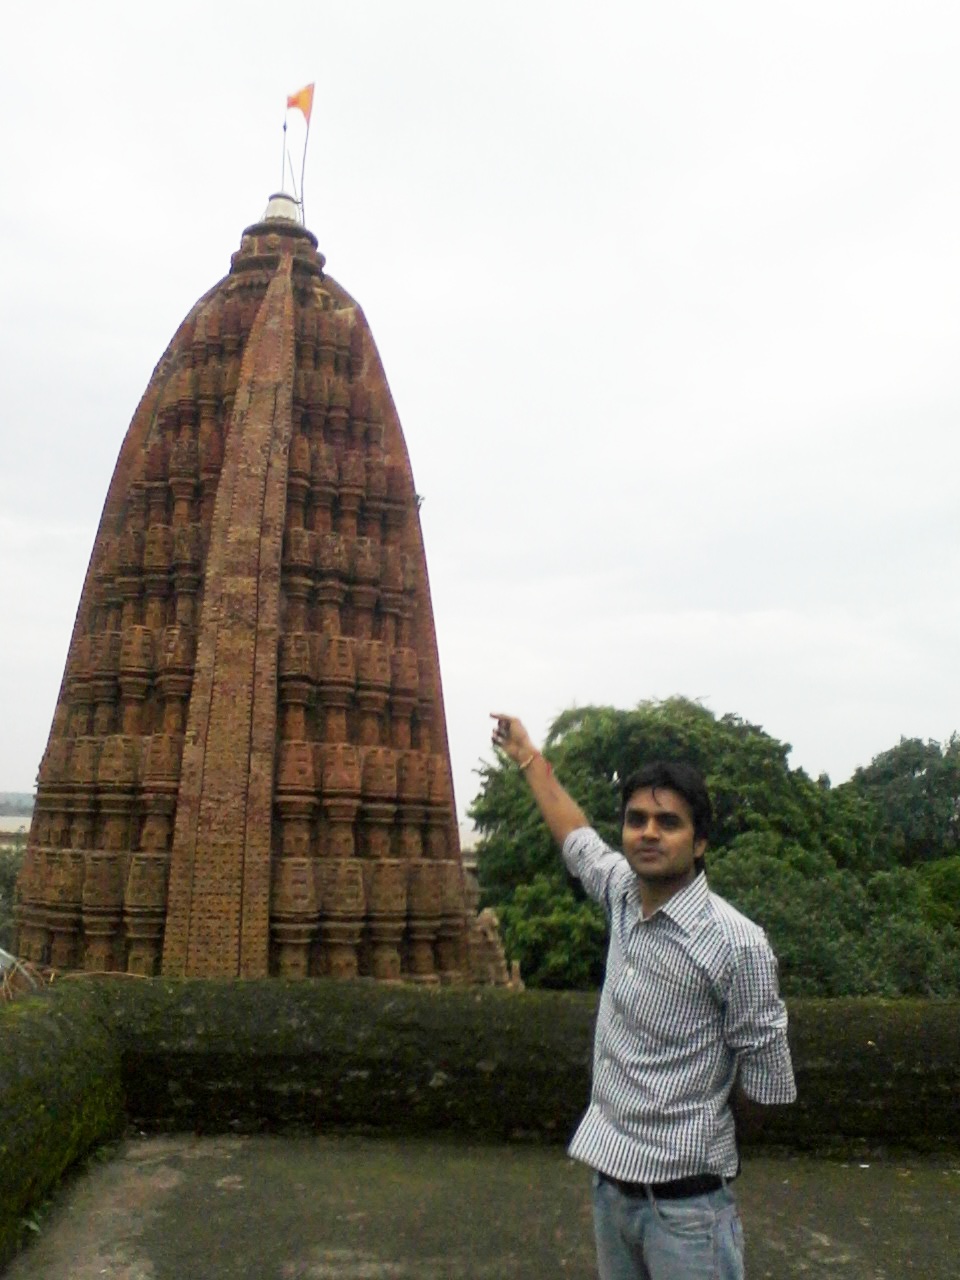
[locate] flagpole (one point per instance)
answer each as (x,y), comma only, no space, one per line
(293,178)
(283,158)
(303,172)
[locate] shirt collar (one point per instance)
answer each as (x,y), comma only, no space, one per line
(685,907)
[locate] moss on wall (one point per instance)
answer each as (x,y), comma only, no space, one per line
(496,1065)
(61,1094)
(870,1073)
(206,1055)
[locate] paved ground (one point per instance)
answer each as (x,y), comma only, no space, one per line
(281,1208)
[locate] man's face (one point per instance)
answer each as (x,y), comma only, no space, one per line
(658,839)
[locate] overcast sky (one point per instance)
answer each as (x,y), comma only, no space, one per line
(667,296)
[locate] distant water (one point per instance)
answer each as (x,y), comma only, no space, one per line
(14,822)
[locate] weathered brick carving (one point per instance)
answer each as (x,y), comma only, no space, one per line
(248,772)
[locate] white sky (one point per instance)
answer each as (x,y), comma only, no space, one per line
(667,295)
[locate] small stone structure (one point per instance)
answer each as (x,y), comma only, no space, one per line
(488,963)
(248,771)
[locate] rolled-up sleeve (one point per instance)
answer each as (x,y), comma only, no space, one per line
(755,1028)
(599,868)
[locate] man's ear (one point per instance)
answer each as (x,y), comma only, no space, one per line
(700,847)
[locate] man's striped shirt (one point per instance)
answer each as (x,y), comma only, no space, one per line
(689,1003)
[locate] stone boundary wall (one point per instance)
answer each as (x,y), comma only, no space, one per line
(61,1095)
(89,1055)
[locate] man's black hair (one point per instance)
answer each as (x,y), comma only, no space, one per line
(685,780)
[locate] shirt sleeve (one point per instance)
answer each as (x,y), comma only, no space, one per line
(599,868)
(755,1028)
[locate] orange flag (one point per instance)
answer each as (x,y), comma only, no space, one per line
(303,99)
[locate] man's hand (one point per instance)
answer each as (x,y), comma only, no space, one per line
(560,811)
(511,737)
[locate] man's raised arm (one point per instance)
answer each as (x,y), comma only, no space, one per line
(560,811)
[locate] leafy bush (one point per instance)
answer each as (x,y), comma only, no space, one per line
(11,858)
(558,940)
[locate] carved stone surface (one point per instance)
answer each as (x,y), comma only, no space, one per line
(247,771)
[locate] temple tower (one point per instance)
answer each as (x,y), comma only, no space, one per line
(248,770)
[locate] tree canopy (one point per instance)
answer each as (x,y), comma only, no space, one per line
(856,885)
(915,786)
(10,860)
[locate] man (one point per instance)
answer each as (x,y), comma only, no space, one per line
(690,1005)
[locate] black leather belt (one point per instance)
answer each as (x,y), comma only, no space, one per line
(698,1184)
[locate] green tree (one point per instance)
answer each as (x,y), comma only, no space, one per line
(908,958)
(558,939)
(915,788)
(812,910)
(913,948)
(940,892)
(10,860)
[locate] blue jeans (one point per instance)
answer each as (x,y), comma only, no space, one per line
(639,1238)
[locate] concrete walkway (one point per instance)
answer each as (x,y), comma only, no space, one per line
(288,1208)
